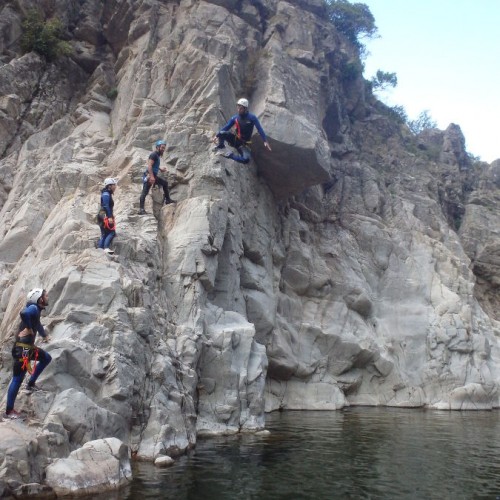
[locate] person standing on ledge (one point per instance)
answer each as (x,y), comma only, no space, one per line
(106,218)
(244,122)
(150,177)
(24,350)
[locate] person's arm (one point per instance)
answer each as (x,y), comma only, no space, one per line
(225,128)
(151,175)
(261,132)
(229,124)
(106,205)
(41,330)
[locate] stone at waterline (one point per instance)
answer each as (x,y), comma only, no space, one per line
(164,461)
(103,464)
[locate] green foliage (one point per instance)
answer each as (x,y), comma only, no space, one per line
(399,114)
(112,93)
(474,159)
(424,121)
(351,70)
(353,20)
(382,80)
(44,36)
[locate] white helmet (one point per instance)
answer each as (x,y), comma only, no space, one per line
(34,295)
(243,102)
(109,181)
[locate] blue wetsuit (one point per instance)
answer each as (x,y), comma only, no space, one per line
(107,205)
(30,318)
(241,140)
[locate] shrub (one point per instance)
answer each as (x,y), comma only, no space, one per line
(423,122)
(383,79)
(112,93)
(353,20)
(351,70)
(398,113)
(44,36)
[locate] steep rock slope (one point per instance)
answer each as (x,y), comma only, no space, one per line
(354,264)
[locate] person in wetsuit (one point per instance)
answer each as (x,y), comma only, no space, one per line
(106,217)
(25,351)
(244,123)
(150,177)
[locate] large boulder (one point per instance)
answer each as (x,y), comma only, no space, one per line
(97,466)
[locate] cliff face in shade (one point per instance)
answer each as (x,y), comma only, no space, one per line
(353,264)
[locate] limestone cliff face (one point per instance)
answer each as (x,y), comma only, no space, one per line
(353,264)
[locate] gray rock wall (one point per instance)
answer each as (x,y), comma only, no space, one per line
(353,264)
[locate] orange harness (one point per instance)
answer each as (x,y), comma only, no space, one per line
(238,134)
(109,226)
(25,359)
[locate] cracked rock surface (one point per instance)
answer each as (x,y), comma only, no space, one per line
(355,264)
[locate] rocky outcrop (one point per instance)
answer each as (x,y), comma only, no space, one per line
(353,264)
(95,467)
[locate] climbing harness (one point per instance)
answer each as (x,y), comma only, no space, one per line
(29,353)
(110,226)
(248,144)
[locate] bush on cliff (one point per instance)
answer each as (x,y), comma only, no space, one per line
(423,122)
(383,80)
(44,36)
(353,20)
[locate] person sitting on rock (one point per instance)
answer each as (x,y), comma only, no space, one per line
(106,218)
(24,350)
(241,140)
(150,177)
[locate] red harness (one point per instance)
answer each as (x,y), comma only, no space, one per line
(26,366)
(109,226)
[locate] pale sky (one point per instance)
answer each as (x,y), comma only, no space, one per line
(446,55)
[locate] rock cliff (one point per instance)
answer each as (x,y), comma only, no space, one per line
(355,264)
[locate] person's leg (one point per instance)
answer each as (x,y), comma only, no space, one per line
(14,386)
(225,136)
(102,238)
(166,195)
(109,238)
(146,186)
(244,155)
(44,358)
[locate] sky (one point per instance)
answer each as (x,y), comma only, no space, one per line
(446,55)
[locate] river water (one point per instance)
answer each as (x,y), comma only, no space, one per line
(356,453)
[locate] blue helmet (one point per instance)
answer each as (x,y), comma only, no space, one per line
(160,143)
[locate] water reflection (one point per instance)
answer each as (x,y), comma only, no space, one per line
(356,453)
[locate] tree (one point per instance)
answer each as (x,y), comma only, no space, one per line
(353,20)
(399,113)
(382,80)
(44,37)
(424,121)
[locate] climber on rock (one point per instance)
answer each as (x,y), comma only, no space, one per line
(24,350)
(150,177)
(106,218)
(244,122)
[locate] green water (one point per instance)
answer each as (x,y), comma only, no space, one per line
(355,453)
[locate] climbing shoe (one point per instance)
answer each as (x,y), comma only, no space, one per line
(109,251)
(142,211)
(218,148)
(167,201)
(13,415)
(225,154)
(31,388)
